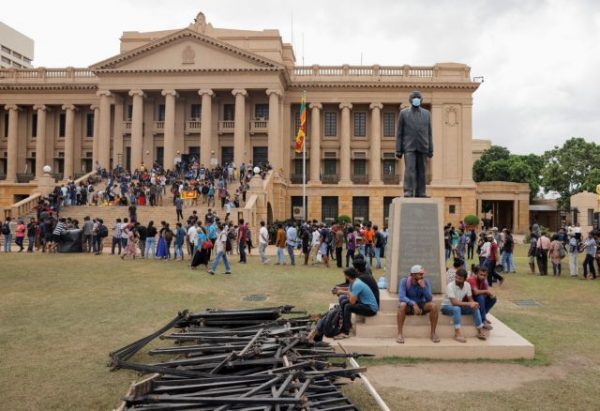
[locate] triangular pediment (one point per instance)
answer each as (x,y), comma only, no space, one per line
(186,50)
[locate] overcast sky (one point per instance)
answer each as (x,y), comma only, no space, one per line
(540,58)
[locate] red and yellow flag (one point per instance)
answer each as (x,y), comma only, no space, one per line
(302,130)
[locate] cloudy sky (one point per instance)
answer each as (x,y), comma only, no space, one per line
(540,58)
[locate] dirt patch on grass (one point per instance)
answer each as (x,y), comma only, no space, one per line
(456,377)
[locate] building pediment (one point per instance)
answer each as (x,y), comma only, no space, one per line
(186,50)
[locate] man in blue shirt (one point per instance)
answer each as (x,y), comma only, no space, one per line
(415,296)
(358,299)
(291,239)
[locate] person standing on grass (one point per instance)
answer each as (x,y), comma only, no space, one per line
(220,250)
(116,237)
(291,238)
(492,260)
(339,245)
(556,254)
(263,241)
(543,246)
(20,234)
(323,248)
(280,244)
(573,254)
(455,306)
(350,245)
(7,235)
(179,240)
(130,248)
(590,248)
(242,237)
(150,240)
(471,241)
(32,229)
(87,234)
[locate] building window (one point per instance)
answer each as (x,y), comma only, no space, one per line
(228,112)
(360,124)
(160,115)
(129,112)
(590,216)
(6,49)
(452,209)
(260,155)
(261,111)
(330,167)
(62,121)
(360,167)
(195,112)
(160,155)
(360,209)
(330,124)
(34,125)
(296,123)
(226,155)
(329,209)
(5,125)
(389,167)
(89,125)
(389,124)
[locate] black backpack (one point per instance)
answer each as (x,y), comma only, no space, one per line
(5,228)
(331,322)
(103,231)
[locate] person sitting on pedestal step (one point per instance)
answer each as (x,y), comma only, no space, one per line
(358,299)
(454,305)
(364,274)
(415,296)
(414,142)
(482,293)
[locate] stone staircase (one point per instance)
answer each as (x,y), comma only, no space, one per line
(144,213)
(377,336)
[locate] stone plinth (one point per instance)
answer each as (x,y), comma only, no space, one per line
(415,236)
(377,336)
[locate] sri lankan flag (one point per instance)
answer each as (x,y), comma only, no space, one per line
(302,130)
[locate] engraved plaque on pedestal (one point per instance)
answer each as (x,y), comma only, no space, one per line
(415,237)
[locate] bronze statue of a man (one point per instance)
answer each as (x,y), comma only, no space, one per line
(414,142)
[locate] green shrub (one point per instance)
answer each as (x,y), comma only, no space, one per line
(471,220)
(344,219)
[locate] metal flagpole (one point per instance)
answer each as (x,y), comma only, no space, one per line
(304,211)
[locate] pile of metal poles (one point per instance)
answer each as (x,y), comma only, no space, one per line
(251,359)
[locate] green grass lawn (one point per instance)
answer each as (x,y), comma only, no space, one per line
(60,315)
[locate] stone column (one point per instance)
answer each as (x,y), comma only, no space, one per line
(118,132)
(436,163)
(69,140)
(274,139)
(137,129)
(169,130)
(206,127)
(375,160)
(315,143)
(104,130)
(95,142)
(40,140)
(467,147)
(12,147)
(239,130)
(345,144)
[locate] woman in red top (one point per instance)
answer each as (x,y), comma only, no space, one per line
(20,234)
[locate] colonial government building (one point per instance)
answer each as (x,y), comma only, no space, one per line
(234,95)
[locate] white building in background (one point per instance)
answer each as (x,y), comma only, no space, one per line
(16,49)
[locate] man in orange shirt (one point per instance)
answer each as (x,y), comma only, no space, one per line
(368,240)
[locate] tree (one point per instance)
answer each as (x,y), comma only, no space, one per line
(498,164)
(571,169)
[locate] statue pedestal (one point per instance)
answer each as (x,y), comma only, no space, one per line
(415,236)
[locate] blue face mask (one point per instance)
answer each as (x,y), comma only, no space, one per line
(416,101)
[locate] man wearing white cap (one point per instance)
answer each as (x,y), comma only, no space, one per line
(416,299)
